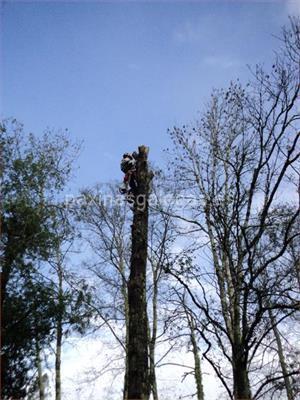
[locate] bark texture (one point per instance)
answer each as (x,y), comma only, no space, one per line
(198,372)
(41,386)
(152,338)
(138,374)
(126,313)
(283,365)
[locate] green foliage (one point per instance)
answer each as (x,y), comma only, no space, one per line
(28,317)
(33,172)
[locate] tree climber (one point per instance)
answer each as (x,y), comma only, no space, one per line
(128,166)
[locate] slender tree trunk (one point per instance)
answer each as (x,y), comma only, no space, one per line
(152,340)
(296,260)
(58,362)
(152,373)
(287,382)
(126,312)
(198,372)
(138,381)
(59,336)
(125,389)
(39,371)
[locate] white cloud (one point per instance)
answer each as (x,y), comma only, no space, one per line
(187,33)
(82,360)
(223,62)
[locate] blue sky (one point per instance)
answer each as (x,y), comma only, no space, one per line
(118,74)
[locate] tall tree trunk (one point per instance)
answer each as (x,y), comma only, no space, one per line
(138,382)
(152,340)
(126,313)
(287,382)
(198,372)
(59,334)
(152,373)
(125,389)
(241,385)
(41,385)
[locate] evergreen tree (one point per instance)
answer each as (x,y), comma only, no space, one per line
(33,172)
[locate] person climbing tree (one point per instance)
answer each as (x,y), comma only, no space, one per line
(128,166)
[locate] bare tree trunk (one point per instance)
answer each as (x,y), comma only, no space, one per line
(126,312)
(41,386)
(241,384)
(198,372)
(152,373)
(138,381)
(287,382)
(296,260)
(152,340)
(58,362)
(58,336)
